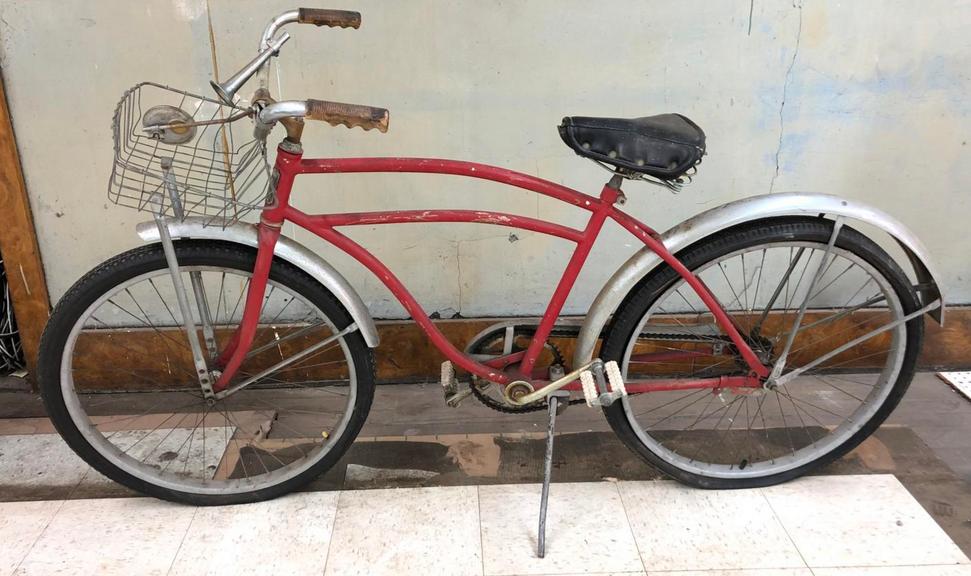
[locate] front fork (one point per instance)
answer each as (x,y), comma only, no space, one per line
(195,278)
(268,232)
(239,344)
(223,366)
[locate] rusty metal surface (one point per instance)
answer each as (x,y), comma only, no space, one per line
(350,115)
(294,128)
(325,17)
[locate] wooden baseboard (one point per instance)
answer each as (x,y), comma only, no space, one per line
(948,347)
(18,243)
(405,354)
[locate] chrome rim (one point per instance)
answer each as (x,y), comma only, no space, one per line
(754,433)
(138,404)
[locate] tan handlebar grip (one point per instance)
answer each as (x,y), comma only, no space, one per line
(349,115)
(323,17)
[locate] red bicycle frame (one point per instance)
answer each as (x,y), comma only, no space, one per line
(289,165)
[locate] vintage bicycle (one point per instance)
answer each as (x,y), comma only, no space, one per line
(223,362)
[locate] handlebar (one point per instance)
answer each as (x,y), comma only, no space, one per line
(334,113)
(349,115)
(324,17)
(315,16)
(269,112)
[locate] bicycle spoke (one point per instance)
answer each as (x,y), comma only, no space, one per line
(819,296)
(226,444)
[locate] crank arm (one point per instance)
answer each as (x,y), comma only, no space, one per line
(455,399)
(554,386)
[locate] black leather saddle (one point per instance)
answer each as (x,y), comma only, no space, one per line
(663,146)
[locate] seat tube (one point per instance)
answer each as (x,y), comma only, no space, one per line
(608,196)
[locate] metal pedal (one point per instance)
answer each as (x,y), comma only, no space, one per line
(450,386)
(610,377)
(589,388)
(615,379)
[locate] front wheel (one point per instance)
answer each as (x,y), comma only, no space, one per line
(762,273)
(118,380)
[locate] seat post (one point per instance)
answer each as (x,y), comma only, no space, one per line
(611,192)
(615,181)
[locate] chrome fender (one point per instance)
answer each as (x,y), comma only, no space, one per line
(287,249)
(739,212)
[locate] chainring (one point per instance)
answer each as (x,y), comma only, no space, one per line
(498,405)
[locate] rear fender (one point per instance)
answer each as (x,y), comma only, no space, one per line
(739,212)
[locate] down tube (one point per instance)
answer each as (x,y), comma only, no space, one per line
(378,268)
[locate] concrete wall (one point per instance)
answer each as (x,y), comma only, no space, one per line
(867,99)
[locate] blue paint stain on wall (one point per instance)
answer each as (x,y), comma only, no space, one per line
(793,147)
(813,93)
(769,158)
(817,91)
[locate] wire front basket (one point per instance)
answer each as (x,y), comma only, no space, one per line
(179,154)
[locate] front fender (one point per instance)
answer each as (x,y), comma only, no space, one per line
(739,212)
(287,249)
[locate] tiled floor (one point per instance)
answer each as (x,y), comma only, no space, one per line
(476,511)
(824,526)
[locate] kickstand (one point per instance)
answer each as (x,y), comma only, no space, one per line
(558,401)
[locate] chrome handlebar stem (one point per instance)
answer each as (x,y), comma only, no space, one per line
(227,89)
(287,17)
(266,41)
(267,116)
(283,109)
(270,45)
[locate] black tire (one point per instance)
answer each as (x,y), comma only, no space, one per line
(150,258)
(654,285)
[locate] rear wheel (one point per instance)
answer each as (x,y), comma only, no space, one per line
(761,273)
(118,379)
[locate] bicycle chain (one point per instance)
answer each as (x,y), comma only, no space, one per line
(498,406)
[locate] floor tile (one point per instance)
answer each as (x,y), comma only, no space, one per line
(743,572)
(598,574)
(26,426)
(40,463)
(128,536)
(21,523)
(587,530)
(289,535)
(158,447)
(681,528)
(960,380)
(860,521)
(420,531)
(951,570)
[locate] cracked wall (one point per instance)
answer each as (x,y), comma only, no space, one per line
(866,99)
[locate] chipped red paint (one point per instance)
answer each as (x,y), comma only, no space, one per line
(423,216)
(715,384)
(289,165)
(454,167)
